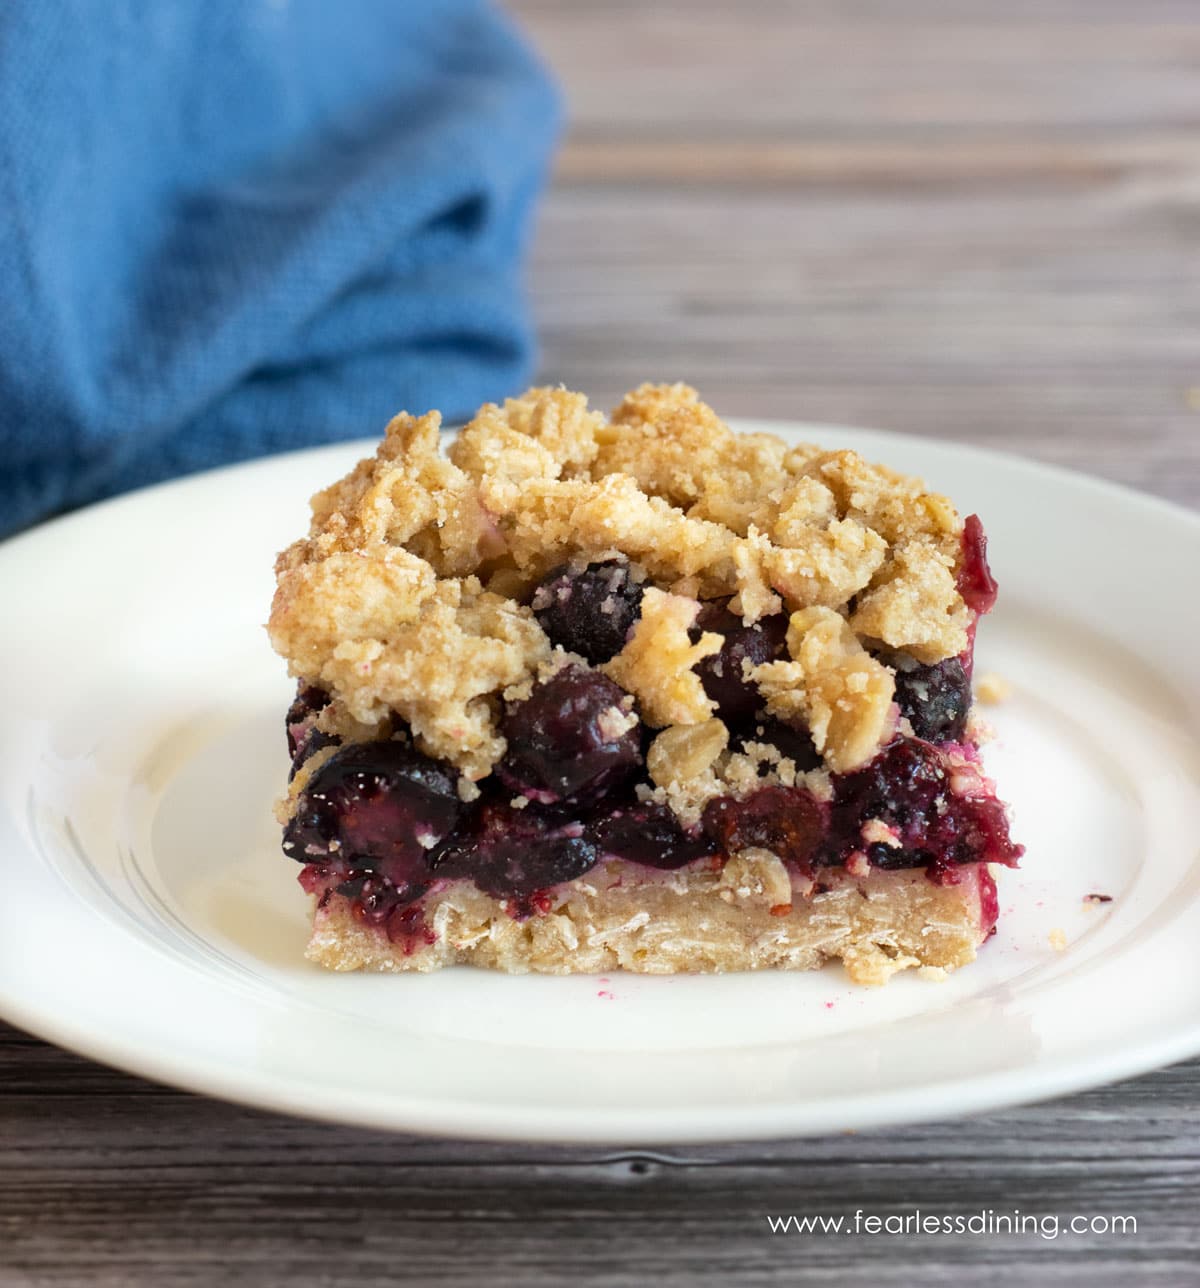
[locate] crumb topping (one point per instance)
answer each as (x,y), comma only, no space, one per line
(834,685)
(992,689)
(656,664)
(915,604)
(684,752)
(409,597)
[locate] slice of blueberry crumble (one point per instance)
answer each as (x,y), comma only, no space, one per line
(584,693)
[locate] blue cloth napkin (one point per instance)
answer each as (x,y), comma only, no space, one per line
(234,227)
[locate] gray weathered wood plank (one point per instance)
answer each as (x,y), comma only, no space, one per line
(970,220)
(106,1180)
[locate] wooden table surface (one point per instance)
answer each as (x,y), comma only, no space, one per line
(966,219)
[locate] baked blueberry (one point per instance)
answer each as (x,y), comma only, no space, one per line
(936,699)
(649,834)
(787,821)
(376,806)
(723,674)
(514,853)
(589,611)
(571,739)
(793,740)
(309,700)
(312,740)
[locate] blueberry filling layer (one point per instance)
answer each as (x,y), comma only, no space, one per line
(380,823)
(900,811)
(515,854)
(650,834)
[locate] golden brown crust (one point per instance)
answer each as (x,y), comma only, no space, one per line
(407,594)
(699,919)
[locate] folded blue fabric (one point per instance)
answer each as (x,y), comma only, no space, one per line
(235,228)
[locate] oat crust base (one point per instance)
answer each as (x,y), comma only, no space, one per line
(689,921)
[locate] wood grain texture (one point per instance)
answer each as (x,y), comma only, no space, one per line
(968,220)
(106,1181)
(952,217)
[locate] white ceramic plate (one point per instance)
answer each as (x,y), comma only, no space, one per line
(149,920)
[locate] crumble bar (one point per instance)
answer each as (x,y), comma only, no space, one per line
(582,693)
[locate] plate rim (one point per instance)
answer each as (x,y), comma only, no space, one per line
(472,1120)
(741,424)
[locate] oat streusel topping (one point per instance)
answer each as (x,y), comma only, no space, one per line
(410,594)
